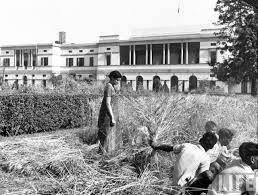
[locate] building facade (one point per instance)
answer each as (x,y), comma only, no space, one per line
(176,57)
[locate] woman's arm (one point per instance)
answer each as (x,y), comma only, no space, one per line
(110,111)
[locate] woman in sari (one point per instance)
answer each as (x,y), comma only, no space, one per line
(108,115)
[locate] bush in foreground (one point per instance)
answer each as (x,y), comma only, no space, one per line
(30,113)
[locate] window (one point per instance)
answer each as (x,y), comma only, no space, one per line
(213,57)
(7,52)
(25,80)
(80,51)
(80,61)
(17,57)
(69,62)
(92,50)
(124,55)
(70,51)
(16,75)
(25,60)
(212,84)
(44,61)
(34,60)
(108,58)
(193,52)
(33,75)
(175,53)
(44,75)
(33,81)
(91,61)
(212,75)
(44,50)
(213,44)
(108,48)
(6,75)
(44,83)
(6,62)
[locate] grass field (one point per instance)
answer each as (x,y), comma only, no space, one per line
(60,163)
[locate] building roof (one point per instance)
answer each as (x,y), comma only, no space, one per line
(30,45)
(173,30)
(78,45)
(143,34)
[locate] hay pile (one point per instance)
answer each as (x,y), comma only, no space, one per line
(60,162)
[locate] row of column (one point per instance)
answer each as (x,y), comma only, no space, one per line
(132,47)
(21,57)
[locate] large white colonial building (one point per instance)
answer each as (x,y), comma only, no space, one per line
(177,56)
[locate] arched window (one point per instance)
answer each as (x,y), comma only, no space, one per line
(25,80)
(156,84)
(192,82)
(174,83)
(123,81)
(244,85)
(139,83)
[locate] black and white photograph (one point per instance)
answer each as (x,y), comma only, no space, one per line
(128,97)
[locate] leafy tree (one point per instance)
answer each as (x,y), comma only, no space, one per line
(238,36)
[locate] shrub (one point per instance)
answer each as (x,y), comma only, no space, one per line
(30,113)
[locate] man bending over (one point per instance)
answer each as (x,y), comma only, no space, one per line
(191,160)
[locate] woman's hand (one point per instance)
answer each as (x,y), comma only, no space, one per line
(113,122)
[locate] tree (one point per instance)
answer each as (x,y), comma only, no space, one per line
(253,3)
(238,36)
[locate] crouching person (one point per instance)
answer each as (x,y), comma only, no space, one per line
(191,160)
(239,178)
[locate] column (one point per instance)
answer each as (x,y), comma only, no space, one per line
(134,55)
(182,53)
(186,53)
(14,57)
(180,86)
(168,54)
(150,53)
(31,58)
(20,58)
(146,59)
(134,85)
(130,55)
(36,52)
(186,85)
(150,85)
(145,84)
(164,54)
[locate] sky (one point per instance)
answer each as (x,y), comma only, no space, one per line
(39,21)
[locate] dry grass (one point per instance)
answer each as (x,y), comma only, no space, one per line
(60,163)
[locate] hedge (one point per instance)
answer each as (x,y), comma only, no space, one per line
(30,113)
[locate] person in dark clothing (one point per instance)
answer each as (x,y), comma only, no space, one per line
(108,115)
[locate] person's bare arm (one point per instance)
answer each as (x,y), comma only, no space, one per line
(110,111)
(164,147)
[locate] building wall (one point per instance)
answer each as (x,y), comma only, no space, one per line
(112,50)
(57,64)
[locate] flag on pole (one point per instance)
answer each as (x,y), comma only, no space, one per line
(178,9)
